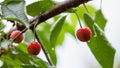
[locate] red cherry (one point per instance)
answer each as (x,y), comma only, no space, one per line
(33,48)
(84,34)
(14,34)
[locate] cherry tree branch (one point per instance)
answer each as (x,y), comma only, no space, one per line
(59,8)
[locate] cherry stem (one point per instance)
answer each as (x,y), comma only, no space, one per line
(45,52)
(34,30)
(77,17)
(85,7)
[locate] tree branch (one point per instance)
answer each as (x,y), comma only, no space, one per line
(59,8)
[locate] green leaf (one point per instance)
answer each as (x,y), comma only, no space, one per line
(29,36)
(56,29)
(81,10)
(1,25)
(100,46)
(40,63)
(6,65)
(72,27)
(6,59)
(102,49)
(15,11)
(100,19)
(68,27)
(22,47)
(8,1)
(43,31)
(89,22)
(38,7)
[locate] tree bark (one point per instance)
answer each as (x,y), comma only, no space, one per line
(59,8)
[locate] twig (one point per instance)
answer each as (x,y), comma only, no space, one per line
(78,18)
(85,7)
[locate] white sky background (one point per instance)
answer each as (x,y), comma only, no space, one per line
(76,54)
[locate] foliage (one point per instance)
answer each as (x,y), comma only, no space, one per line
(11,13)
(100,50)
(51,34)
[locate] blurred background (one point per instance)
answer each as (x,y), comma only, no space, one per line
(76,54)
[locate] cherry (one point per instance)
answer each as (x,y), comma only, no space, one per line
(84,34)
(14,34)
(33,48)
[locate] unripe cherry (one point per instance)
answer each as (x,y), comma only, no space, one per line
(84,34)
(33,48)
(14,34)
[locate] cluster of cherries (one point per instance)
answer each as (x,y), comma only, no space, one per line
(33,47)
